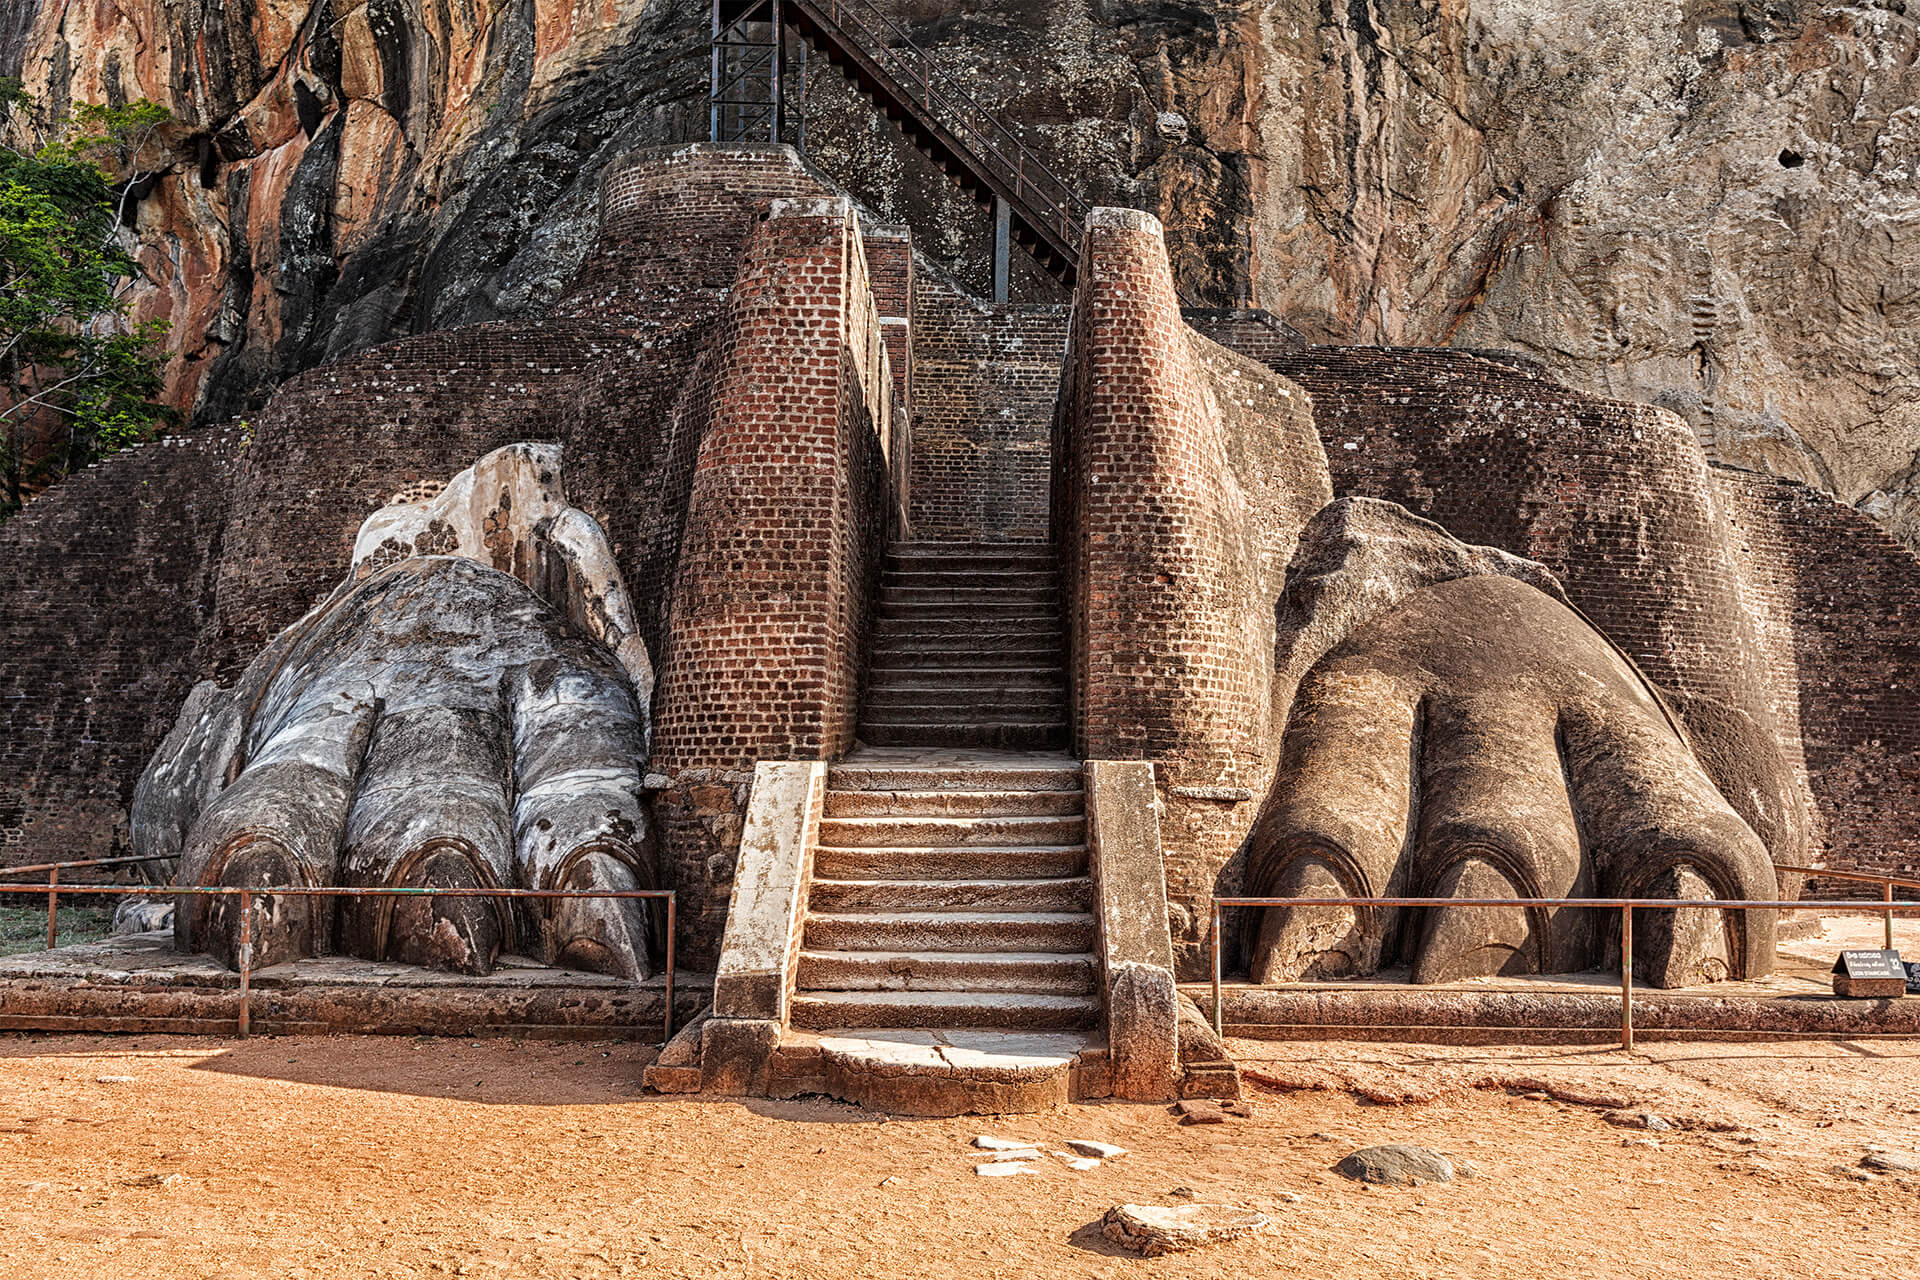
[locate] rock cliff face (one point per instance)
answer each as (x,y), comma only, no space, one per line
(1711,205)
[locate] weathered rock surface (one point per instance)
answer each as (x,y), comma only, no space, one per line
(1155,1229)
(1398,1164)
(1705,204)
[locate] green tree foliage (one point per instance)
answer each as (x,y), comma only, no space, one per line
(78,376)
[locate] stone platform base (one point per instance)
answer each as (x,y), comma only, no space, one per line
(1795,1000)
(1429,1016)
(141,984)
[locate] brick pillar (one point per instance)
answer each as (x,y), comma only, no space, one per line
(889,253)
(785,527)
(1183,474)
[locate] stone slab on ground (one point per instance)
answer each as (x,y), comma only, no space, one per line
(1399,1164)
(1151,1230)
(924,1071)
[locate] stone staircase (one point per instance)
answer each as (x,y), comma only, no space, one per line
(967,648)
(950,890)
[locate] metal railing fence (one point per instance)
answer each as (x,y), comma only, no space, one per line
(1625,906)
(53,887)
(1887,884)
(243,1017)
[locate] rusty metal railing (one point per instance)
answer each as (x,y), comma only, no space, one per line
(1887,884)
(1625,906)
(243,1017)
(52,871)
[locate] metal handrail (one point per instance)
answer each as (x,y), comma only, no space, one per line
(1887,884)
(885,45)
(1626,907)
(38,868)
(243,1018)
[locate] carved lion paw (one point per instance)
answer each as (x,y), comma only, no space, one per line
(1460,731)
(439,721)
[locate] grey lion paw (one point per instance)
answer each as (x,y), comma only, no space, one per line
(1458,730)
(465,712)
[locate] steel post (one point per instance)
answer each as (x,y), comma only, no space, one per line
(713,82)
(53,909)
(1002,248)
(1217,1026)
(1626,978)
(243,1019)
(775,79)
(666,1033)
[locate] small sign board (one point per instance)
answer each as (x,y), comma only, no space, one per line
(1869,974)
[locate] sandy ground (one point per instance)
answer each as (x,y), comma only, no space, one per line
(396,1157)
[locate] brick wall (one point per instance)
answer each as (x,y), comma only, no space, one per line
(106,583)
(986,377)
(619,374)
(1850,597)
(1185,473)
(1258,335)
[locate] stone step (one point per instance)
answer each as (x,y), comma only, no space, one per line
(950,931)
(965,556)
(1033,735)
(981,632)
(970,544)
(1013,773)
(947,677)
(947,579)
(964,652)
(983,1009)
(885,897)
(950,862)
(927,700)
(991,628)
(952,804)
(988,608)
(1044,593)
(1039,719)
(1035,972)
(968,566)
(921,832)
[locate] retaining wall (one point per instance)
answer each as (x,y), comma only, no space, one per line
(106,583)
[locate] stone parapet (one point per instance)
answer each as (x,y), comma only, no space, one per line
(1136,953)
(761,947)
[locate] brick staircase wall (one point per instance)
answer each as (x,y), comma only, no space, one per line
(1185,472)
(1843,598)
(985,380)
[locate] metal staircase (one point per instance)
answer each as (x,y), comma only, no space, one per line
(1032,207)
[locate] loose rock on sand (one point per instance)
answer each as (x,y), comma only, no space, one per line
(1399,1164)
(1153,1229)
